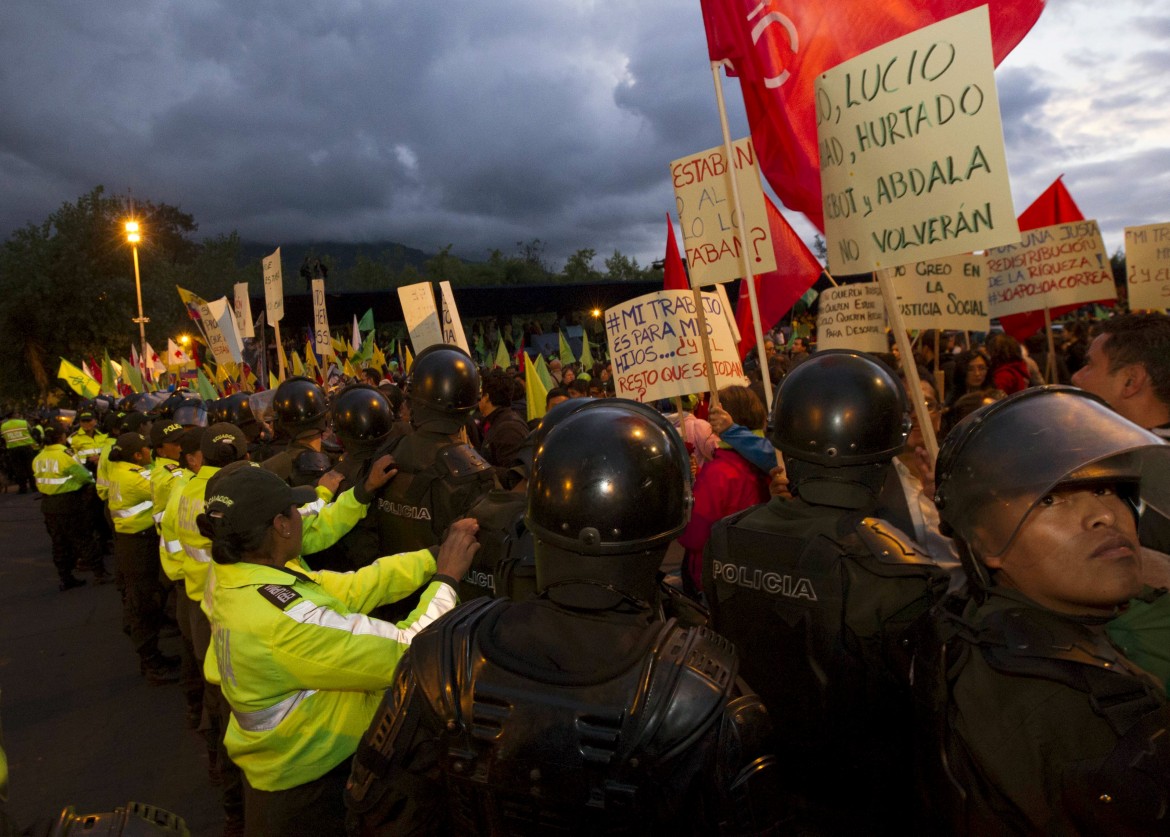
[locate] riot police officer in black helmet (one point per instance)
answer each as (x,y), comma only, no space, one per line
(439,475)
(818,592)
(302,414)
(603,717)
(362,422)
(1052,714)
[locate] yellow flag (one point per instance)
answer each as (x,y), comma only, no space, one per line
(409,362)
(272,382)
(310,358)
(78,380)
(340,348)
(348,369)
(298,368)
(379,359)
(534,390)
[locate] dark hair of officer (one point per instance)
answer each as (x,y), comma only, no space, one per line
(839,419)
(610,489)
(443,390)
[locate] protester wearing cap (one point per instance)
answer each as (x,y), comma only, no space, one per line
(136,554)
(302,668)
(1044,724)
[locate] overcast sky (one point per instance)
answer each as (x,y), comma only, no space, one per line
(485,124)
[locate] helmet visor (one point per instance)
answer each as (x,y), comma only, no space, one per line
(1003,459)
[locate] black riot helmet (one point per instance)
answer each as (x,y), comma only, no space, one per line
(443,390)
(236,409)
(610,488)
(1001,460)
(362,418)
(173,401)
(301,407)
(839,419)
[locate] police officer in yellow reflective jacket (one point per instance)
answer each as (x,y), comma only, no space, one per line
(22,447)
(88,442)
(64,483)
(136,554)
(301,666)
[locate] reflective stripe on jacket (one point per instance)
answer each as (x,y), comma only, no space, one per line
(301,667)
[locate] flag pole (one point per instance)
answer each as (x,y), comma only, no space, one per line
(744,264)
(909,368)
(1050,361)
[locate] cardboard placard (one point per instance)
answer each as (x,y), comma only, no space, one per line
(422,318)
(911,148)
(243,306)
(452,326)
(219,323)
(852,317)
(656,349)
(948,293)
(1147,267)
(1050,266)
(273,288)
(322,337)
(706,212)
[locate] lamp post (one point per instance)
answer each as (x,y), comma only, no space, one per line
(133,237)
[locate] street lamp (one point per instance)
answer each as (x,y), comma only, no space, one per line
(133,237)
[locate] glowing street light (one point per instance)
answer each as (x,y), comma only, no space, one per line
(133,236)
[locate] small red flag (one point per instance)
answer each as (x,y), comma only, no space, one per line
(674,274)
(797,269)
(779,47)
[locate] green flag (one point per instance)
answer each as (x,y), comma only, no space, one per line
(566,352)
(546,377)
(367,321)
(586,354)
(502,359)
(79,381)
(135,377)
(206,390)
(109,383)
(366,353)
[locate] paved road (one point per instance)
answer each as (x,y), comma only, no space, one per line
(81,727)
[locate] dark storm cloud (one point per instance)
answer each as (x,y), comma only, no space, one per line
(474,124)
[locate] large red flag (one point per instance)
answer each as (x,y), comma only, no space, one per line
(1054,206)
(779,47)
(797,269)
(674,275)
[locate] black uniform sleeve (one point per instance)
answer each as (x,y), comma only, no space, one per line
(396,788)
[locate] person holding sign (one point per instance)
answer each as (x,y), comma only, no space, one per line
(1041,724)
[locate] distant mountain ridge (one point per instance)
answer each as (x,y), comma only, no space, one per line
(342,255)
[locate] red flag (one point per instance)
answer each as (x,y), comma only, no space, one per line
(674,274)
(797,269)
(1054,206)
(779,47)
